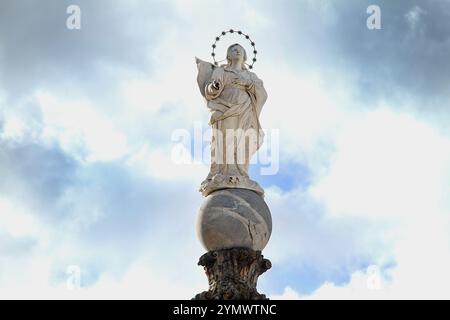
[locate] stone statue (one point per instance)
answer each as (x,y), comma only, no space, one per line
(234,223)
(235,97)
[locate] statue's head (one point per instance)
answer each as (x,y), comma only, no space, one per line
(236,53)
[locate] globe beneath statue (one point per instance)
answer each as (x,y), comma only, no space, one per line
(234,218)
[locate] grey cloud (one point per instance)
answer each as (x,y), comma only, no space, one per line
(34,174)
(393,64)
(37,50)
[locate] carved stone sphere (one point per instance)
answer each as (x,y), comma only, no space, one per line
(234,218)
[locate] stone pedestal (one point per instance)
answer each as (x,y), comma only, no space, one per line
(234,226)
(233,274)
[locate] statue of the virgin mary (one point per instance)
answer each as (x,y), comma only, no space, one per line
(235,97)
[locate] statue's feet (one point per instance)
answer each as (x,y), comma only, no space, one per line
(220,181)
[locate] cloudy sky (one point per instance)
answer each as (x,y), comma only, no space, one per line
(88,181)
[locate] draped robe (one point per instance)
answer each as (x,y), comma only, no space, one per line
(235,107)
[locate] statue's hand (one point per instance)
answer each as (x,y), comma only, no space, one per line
(216,84)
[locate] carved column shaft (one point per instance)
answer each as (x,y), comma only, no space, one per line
(233,274)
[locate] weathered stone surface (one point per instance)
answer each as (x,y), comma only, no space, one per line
(233,274)
(234,218)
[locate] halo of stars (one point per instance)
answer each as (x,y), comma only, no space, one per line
(224,33)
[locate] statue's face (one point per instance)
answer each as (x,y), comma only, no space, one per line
(236,53)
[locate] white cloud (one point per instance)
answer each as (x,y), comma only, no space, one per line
(359,287)
(418,275)
(139,282)
(413,16)
(39,273)
(13,128)
(387,165)
(81,130)
(391,169)
(288,294)
(158,162)
(16,221)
